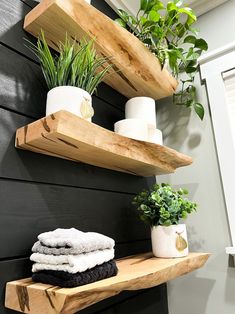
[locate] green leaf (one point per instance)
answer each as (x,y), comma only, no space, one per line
(190,70)
(191,15)
(172,56)
(192,55)
(189,103)
(147,41)
(157,32)
(144,5)
(180,30)
(124,15)
(132,20)
(191,63)
(154,16)
(202,44)
(190,39)
(171,6)
(121,22)
(80,66)
(158,6)
(179,54)
(199,110)
(152,4)
(167,223)
(169,35)
(143,20)
(178,3)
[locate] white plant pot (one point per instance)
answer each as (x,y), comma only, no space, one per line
(169,242)
(133,128)
(142,108)
(72,99)
(155,136)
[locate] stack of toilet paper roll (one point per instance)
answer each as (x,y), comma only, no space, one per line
(140,122)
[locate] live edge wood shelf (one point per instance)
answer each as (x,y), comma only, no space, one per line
(67,136)
(135,272)
(138,72)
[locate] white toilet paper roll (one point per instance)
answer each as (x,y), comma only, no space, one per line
(155,136)
(141,108)
(133,128)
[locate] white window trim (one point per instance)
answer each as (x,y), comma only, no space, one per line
(212,65)
(200,7)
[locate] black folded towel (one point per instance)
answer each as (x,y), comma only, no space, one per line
(67,280)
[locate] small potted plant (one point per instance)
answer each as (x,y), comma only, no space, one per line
(72,76)
(166,29)
(163,209)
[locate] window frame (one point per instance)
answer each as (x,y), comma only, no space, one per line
(212,67)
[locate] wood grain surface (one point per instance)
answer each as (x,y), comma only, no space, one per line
(135,272)
(23,165)
(137,70)
(65,135)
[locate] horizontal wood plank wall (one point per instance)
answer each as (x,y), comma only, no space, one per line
(39,193)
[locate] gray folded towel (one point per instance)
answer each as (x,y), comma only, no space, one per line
(71,241)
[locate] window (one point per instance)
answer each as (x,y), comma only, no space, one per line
(229,83)
(217,70)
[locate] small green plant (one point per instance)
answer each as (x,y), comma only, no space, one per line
(163,206)
(75,65)
(168,33)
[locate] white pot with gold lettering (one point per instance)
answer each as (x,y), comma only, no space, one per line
(169,241)
(70,98)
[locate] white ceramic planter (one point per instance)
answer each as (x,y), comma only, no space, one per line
(133,128)
(72,99)
(155,136)
(169,242)
(142,108)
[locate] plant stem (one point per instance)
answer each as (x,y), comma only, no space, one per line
(138,22)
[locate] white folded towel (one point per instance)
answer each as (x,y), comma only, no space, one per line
(78,241)
(71,263)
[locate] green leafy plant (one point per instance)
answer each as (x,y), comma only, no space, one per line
(75,65)
(163,206)
(168,33)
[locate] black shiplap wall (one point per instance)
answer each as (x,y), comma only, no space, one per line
(40,193)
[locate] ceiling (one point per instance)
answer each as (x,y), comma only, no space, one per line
(200,6)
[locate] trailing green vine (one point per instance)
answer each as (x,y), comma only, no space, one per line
(168,33)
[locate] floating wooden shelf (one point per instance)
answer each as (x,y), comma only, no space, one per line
(139,72)
(135,272)
(67,136)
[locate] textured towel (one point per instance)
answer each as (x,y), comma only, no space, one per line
(66,280)
(39,248)
(71,263)
(73,241)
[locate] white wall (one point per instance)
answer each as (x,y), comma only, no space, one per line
(211,289)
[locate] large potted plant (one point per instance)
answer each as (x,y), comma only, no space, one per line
(72,75)
(163,209)
(168,32)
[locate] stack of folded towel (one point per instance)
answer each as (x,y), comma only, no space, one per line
(70,258)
